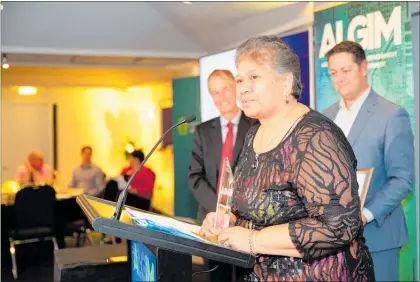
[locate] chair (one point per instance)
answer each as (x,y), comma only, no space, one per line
(34,212)
(72,222)
(79,229)
(111,193)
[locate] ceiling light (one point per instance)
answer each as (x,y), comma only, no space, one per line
(27,90)
(187,2)
(5,65)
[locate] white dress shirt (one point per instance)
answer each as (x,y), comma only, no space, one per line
(345,119)
(235,123)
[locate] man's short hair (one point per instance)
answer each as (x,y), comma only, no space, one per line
(35,154)
(138,154)
(221,73)
(351,47)
(86,148)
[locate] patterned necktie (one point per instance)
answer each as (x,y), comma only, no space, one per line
(227,151)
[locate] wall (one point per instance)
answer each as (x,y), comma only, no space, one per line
(94,76)
(104,117)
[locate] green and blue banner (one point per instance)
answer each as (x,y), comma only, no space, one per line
(299,42)
(186,101)
(384,31)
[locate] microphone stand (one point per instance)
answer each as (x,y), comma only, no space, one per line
(123,195)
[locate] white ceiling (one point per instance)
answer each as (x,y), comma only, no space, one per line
(22,59)
(137,34)
(206,21)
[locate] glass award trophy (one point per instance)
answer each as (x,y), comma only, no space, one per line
(224,198)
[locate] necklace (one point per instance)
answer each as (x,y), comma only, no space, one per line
(256,163)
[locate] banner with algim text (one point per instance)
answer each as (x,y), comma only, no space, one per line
(384,31)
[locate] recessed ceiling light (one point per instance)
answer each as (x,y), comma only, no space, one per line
(187,2)
(27,90)
(5,65)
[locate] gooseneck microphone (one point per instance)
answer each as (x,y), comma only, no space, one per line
(123,195)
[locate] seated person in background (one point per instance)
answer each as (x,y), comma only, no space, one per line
(34,171)
(143,183)
(88,175)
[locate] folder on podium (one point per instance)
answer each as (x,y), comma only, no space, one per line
(172,253)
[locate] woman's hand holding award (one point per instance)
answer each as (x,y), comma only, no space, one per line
(224,198)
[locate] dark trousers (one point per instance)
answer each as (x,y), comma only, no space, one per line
(138,202)
(67,211)
(111,193)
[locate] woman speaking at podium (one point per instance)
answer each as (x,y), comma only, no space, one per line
(296,205)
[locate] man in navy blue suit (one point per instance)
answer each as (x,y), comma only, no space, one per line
(381,136)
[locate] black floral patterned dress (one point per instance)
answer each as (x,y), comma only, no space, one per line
(308,181)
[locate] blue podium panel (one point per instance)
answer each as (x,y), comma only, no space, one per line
(143,265)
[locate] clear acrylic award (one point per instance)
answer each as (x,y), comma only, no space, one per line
(224,198)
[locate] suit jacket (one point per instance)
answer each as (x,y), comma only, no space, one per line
(205,161)
(382,138)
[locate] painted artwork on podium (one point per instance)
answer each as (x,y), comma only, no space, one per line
(143,263)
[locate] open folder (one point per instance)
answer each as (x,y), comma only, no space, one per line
(190,231)
(166,225)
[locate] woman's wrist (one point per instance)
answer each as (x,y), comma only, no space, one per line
(232,219)
(254,247)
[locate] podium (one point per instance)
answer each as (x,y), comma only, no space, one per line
(158,256)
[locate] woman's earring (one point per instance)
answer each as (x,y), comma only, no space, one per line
(287,99)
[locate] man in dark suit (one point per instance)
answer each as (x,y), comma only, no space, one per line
(215,139)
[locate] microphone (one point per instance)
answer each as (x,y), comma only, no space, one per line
(123,195)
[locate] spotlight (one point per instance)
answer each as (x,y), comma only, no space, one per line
(5,65)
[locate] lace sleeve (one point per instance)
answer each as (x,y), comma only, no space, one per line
(327,185)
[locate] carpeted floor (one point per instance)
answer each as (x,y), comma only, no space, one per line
(35,262)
